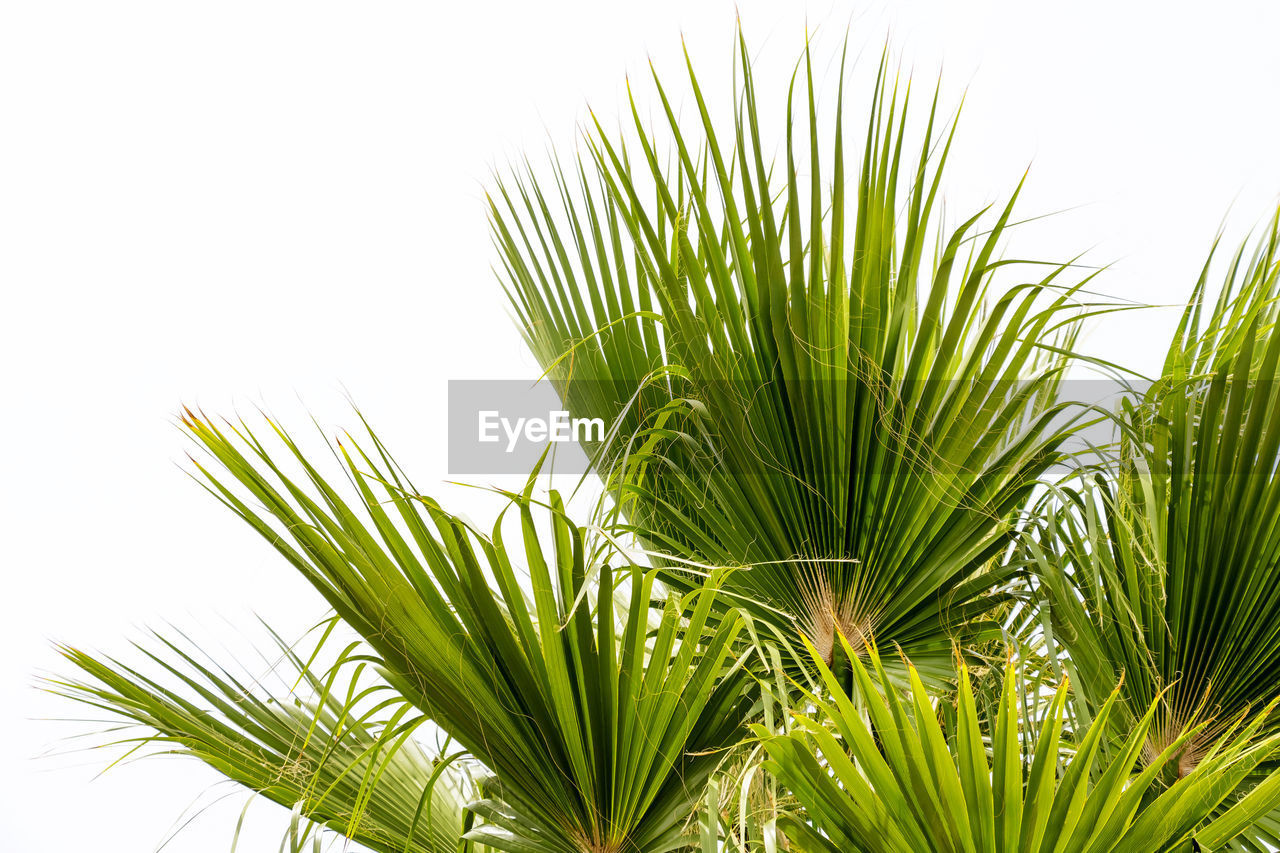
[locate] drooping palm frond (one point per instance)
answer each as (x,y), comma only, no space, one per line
(599,732)
(1167,568)
(884,777)
(337,747)
(811,380)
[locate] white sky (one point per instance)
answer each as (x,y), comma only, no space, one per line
(226,203)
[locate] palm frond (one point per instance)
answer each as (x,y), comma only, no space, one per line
(1167,567)
(816,383)
(338,747)
(599,732)
(886,778)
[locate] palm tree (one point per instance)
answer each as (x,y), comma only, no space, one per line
(834,421)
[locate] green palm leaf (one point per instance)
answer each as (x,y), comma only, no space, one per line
(1167,568)
(341,753)
(803,387)
(886,778)
(599,732)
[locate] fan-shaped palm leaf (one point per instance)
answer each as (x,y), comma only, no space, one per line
(599,734)
(1167,568)
(886,778)
(802,386)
